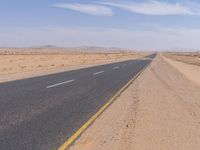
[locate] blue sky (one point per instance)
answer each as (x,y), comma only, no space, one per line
(137,24)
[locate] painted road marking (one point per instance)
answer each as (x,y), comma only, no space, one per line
(96,73)
(54,85)
(115,67)
(95,116)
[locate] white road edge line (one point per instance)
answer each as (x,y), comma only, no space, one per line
(54,85)
(115,67)
(96,73)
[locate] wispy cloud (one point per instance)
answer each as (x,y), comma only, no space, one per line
(92,9)
(156,7)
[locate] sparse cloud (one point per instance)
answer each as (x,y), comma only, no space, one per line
(156,7)
(91,9)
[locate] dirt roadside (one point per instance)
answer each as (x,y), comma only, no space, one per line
(189,58)
(159,111)
(192,72)
(19,66)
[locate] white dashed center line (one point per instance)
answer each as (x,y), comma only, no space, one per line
(54,85)
(96,73)
(115,67)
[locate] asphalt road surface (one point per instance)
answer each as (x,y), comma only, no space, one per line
(41,113)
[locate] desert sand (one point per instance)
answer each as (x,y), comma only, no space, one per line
(189,58)
(23,63)
(159,111)
(191,71)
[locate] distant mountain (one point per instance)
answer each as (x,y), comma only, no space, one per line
(55,49)
(97,49)
(45,46)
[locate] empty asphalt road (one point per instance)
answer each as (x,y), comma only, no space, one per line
(41,113)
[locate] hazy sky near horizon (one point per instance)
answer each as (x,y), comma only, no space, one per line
(137,24)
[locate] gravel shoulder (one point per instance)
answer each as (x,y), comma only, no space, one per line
(160,110)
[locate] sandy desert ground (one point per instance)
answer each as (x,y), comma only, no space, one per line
(159,111)
(190,58)
(22,63)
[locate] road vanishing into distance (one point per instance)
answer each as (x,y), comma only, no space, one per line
(41,113)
